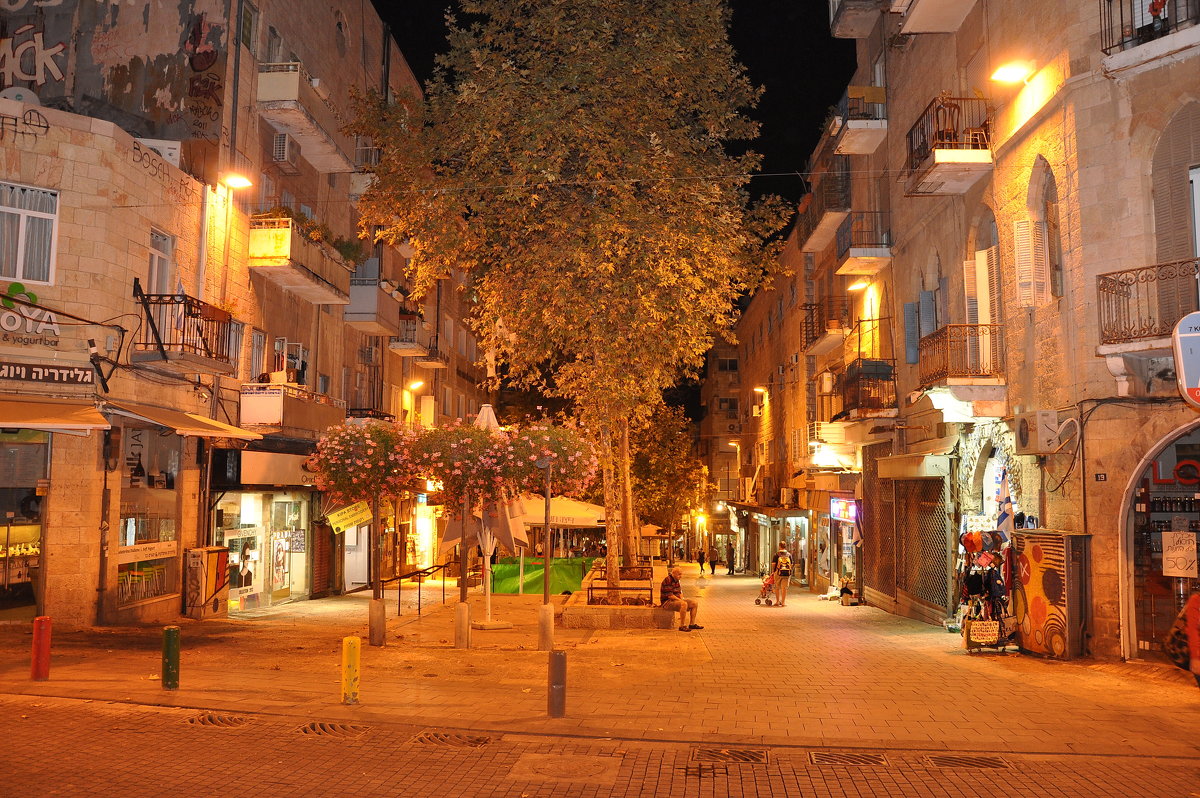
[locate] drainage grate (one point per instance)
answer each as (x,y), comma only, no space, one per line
(951,761)
(212,720)
(705,770)
(737,755)
(451,739)
(319,729)
(845,758)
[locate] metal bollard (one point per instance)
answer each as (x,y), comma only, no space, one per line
(39,671)
(556,692)
(170,658)
(350,652)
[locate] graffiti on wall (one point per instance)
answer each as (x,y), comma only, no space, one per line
(1039,594)
(20,5)
(29,124)
(177,187)
(205,89)
(26,57)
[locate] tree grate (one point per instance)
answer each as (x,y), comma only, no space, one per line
(952,761)
(214,721)
(845,758)
(321,729)
(451,739)
(735,755)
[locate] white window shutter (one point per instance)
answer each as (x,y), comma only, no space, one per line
(987,270)
(912,333)
(971,291)
(1032,262)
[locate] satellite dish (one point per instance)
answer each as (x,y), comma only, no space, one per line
(21,95)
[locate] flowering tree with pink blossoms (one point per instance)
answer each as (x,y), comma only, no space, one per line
(358,462)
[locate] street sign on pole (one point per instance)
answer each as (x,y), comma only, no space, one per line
(1186,343)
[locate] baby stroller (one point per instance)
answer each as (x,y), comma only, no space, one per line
(768,591)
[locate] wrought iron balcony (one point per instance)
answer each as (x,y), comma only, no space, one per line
(1145,304)
(949,147)
(369,413)
(963,354)
(869,387)
(1125,24)
(822,210)
(864,243)
(859,122)
(825,324)
(434,357)
(183,334)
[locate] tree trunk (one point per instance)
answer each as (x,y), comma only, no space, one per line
(627,531)
(611,508)
(374,558)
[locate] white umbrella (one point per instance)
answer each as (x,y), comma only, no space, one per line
(493,524)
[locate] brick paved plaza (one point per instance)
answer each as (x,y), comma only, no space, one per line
(820,700)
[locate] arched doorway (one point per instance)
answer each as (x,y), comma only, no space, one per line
(1162,525)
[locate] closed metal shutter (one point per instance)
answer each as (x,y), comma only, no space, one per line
(922,550)
(879,523)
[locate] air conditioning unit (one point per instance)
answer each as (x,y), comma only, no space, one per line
(825,383)
(285,152)
(167,150)
(780,370)
(1036,432)
(734,427)
(795,358)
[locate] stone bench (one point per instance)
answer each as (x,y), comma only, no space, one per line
(578,614)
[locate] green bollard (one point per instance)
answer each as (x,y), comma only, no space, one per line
(170,658)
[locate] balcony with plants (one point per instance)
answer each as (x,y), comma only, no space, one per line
(949,147)
(302,256)
(824,208)
(298,105)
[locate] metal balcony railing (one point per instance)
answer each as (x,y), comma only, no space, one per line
(1146,303)
(1128,23)
(820,317)
(180,324)
(869,384)
(830,193)
(862,102)
(370,412)
(949,123)
(962,351)
(865,229)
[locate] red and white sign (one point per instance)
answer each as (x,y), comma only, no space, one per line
(1186,339)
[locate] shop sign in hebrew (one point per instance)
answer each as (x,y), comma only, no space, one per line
(1179,554)
(147,551)
(47,372)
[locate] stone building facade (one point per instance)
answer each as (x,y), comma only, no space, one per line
(1012,252)
(174,344)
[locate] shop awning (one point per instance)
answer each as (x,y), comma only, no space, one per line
(51,415)
(564,512)
(934,463)
(187,424)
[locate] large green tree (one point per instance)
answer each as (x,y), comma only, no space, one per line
(570,156)
(669,478)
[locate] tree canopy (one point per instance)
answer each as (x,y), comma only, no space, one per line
(570,157)
(668,477)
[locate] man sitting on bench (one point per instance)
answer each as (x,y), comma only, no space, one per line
(671,598)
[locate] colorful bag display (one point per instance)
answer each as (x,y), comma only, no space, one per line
(984,633)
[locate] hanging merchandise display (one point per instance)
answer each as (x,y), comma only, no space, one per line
(985,574)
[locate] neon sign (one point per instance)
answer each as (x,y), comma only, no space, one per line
(843,510)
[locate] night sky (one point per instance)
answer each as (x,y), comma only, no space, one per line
(784,44)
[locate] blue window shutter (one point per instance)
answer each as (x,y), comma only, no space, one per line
(912,333)
(928,313)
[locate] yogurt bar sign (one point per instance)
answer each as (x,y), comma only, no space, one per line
(24,325)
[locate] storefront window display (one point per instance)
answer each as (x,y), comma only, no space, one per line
(843,512)
(147,537)
(269,540)
(825,552)
(22,475)
(1166,526)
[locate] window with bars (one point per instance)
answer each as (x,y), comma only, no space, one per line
(28,224)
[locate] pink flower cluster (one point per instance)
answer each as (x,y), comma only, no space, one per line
(572,458)
(358,462)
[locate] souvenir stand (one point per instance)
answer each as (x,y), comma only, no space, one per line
(984,580)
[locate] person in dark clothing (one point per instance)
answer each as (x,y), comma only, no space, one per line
(729,552)
(671,598)
(700,559)
(712,560)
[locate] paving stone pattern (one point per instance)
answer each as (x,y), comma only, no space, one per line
(649,711)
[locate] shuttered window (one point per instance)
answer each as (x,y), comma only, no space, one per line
(912,333)
(1177,152)
(981,287)
(1032,263)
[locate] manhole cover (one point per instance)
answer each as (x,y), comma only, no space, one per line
(319,729)
(451,739)
(950,761)
(845,758)
(741,755)
(215,721)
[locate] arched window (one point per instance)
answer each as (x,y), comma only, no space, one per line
(1037,241)
(1054,249)
(981,273)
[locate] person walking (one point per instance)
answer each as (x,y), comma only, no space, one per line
(781,569)
(1191,628)
(729,554)
(700,559)
(712,560)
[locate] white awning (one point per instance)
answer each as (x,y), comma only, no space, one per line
(187,424)
(51,415)
(931,464)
